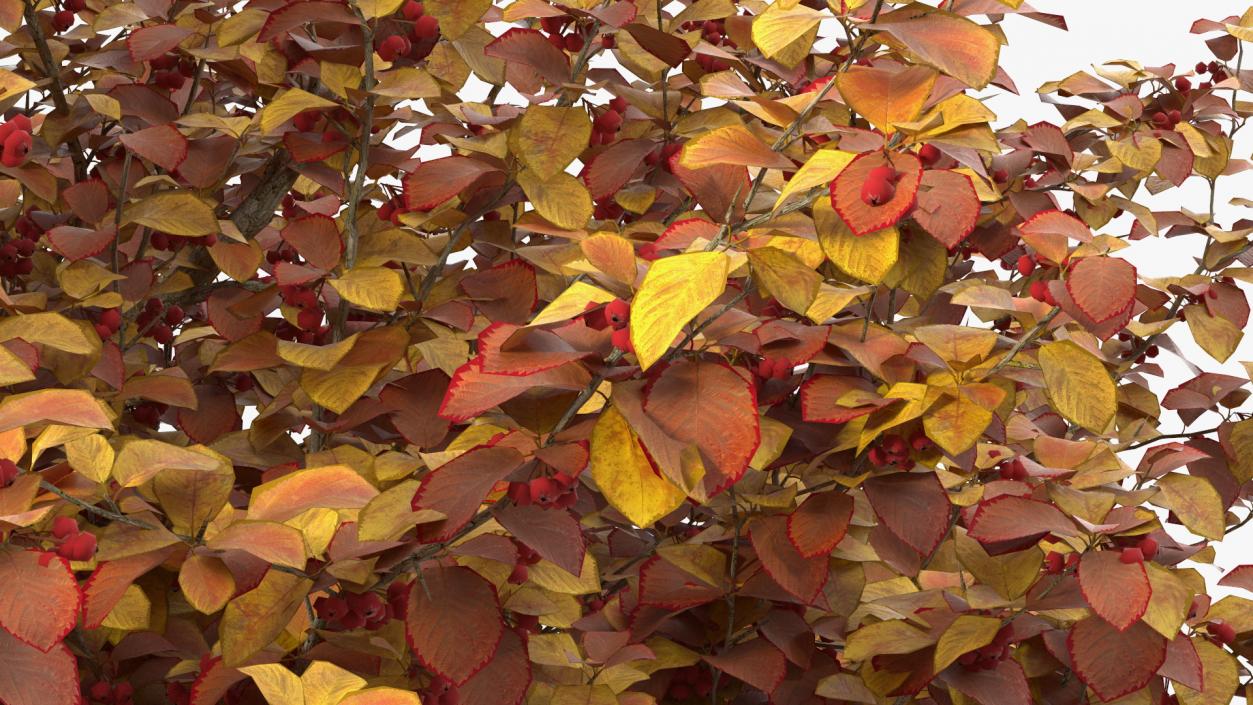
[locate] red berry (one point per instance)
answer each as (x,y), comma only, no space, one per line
(1148,547)
(545,490)
(518,575)
(1000,176)
(80,547)
(8,472)
(608,41)
(413,10)
(103,331)
(1039,290)
(618,105)
(622,340)
(162,333)
(929,154)
(876,192)
(608,121)
(309,318)
(782,369)
(306,121)
(1026,265)
(63,20)
(765,368)
(367,604)
(101,690)
(393,47)
(618,313)
(884,173)
(1161,119)
(1202,67)
(1175,117)
(574,43)
(330,609)
(1182,84)
(169,80)
(63,527)
(174,315)
(112,318)
(1131,555)
(1054,563)
(16,149)
(519,493)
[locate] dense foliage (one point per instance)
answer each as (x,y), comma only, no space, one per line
(365,352)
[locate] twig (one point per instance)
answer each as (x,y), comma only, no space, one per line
(1025,340)
(581,399)
(1155,439)
(732,571)
(98,511)
(432,275)
(52,70)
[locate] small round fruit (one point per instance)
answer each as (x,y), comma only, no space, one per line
(1131,555)
(618,313)
(929,154)
(622,340)
(64,527)
(876,192)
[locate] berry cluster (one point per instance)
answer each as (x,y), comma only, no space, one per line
(1012,469)
(555,27)
(108,322)
(106,693)
(606,125)
(688,682)
(166,242)
(1055,563)
(149,413)
(618,315)
(441,691)
(774,368)
(1217,72)
(556,492)
(714,32)
(986,658)
(1144,550)
(349,610)
(15,141)
(72,544)
(1133,344)
(880,185)
(526,558)
(896,451)
(159,321)
(170,71)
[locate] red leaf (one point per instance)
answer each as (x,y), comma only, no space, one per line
(757,662)
(913,506)
(714,187)
(791,634)
(316,238)
(1004,685)
(1106,330)
(162,145)
(148,43)
(861,217)
(215,414)
(799,576)
(226,314)
(40,600)
(1117,592)
(145,102)
(665,585)
(295,14)
(473,391)
(819,523)
(1239,577)
(948,206)
(670,48)
(682,233)
(554,534)
(1007,518)
(214,680)
(29,676)
(438,180)
(530,48)
(458,487)
(307,148)
(88,199)
(612,168)
(1183,664)
(75,244)
(109,581)
(453,622)
(709,406)
(1113,663)
(530,350)
(1103,287)
(506,292)
(413,402)
(820,397)
(503,681)
(1049,139)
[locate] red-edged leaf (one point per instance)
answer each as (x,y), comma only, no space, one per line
(757,662)
(1104,330)
(506,351)
(75,244)
(1117,592)
(1049,233)
(504,680)
(793,341)
(819,523)
(1009,518)
(473,391)
(316,238)
(531,48)
(215,414)
(40,600)
(214,680)
(1004,685)
(799,576)
(413,402)
(1183,663)
(148,43)
(913,506)
(162,145)
(29,676)
(295,14)
(709,406)
(714,187)
(612,168)
(88,199)
(1047,138)
(438,180)
(1239,577)
(458,487)
(1113,663)
(663,584)
(948,206)
(861,217)
(506,292)
(307,148)
(682,233)
(453,622)
(1102,286)
(554,534)
(821,394)
(109,582)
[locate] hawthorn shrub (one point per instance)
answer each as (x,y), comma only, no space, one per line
(461,352)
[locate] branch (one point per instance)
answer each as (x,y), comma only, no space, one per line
(57,89)
(1025,340)
(432,275)
(257,209)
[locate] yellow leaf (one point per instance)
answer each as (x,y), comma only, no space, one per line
(786,277)
(951,43)
(967,633)
(674,291)
(338,388)
(886,96)
(72,407)
(317,357)
(256,618)
(955,423)
(561,200)
(13,369)
(372,288)
(140,460)
(1010,575)
(611,254)
(175,212)
(1168,602)
(548,138)
(1078,384)
(270,541)
(241,25)
(132,613)
(51,329)
(786,34)
(891,637)
(957,344)
(456,17)
(624,475)
(105,105)
(820,170)
(90,456)
(571,303)
(1241,440)
(329,487)
(291,103)
(13,86)
(1216,336)
(206,582)
(867,257)
(733,144)
(378,8)
(1195,501)
(1220,677)
(322,683)
(407,82)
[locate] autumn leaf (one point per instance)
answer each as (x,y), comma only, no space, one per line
(674,290)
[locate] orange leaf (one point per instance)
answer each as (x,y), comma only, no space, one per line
(888,93)
(1117,592)
(951,43)
(819,523)
(256,618)
(316,238)
(29,676)
(109,582)
(163,145)
(1103,287)
(72,407)
(948,206)
(458,487)
(453,622)
(438,180)
(40,600)
(861,217)
(733,144)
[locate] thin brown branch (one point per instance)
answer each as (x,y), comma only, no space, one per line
(52,71)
